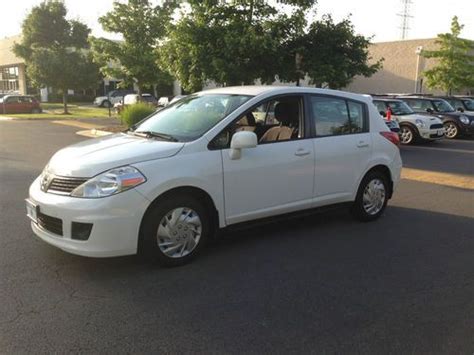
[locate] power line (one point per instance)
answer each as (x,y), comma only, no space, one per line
(405,15)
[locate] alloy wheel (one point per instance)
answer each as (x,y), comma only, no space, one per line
(451,130)
(406,135)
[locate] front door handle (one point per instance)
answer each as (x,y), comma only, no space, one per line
(362,144)
(302,152)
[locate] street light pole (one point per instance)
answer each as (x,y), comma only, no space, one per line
(418,52)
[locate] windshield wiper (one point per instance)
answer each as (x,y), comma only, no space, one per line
(152,134)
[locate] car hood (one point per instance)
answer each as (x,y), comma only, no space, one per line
(93,156)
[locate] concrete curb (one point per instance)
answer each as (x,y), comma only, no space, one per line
(93,133)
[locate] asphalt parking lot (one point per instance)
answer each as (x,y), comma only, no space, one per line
(316,284)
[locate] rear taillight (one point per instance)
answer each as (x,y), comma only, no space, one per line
(392,137)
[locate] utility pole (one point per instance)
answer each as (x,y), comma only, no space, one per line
(405,15)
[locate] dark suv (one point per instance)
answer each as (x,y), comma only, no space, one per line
(455,123)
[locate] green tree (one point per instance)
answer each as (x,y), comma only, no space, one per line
(331,54)
(230,43)
(455,68)
(55,50)
(141,26)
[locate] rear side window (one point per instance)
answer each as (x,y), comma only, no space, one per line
(380,106)
(334,116)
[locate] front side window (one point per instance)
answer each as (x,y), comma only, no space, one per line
(192,116)
(334,116)
(274,120)
(442,106)
(419,105)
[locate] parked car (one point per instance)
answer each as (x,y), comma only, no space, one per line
(132,99)
(19,104)
(461,104)
(413,127)
(112,98)
(455,123)
(166,185)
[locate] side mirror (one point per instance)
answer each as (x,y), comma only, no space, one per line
(429,110)
(382,113)
(242,140)
(460,109)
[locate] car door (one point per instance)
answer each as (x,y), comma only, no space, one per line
(342,146)
(274,177)
(12,104)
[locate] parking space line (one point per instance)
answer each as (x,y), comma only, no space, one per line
(77,124)
(451,150)
(438,178)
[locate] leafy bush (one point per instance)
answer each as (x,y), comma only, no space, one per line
(135,113)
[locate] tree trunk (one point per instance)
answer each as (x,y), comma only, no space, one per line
(66,112)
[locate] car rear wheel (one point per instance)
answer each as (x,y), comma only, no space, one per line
(175,230)
(407,135)
(451,130)
(372,197)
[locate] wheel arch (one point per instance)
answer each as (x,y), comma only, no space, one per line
(194,191)
(385,170)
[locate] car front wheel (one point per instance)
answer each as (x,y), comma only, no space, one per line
(175,230)
(407,135)
(372,197)
(451,130)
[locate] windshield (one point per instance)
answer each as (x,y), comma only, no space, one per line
(467,102)
(192,116)
(400,108)
(442,106)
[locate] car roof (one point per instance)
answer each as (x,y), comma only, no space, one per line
(255,90)
(386,99)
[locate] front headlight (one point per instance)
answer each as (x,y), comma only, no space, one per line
(420,123)
(464,119)
(109,183)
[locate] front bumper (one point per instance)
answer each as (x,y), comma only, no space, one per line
(116,221)
(431,134)
(467,129)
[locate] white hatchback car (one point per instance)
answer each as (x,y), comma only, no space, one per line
(205,162)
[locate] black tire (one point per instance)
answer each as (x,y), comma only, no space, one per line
(451,130)
(36,110)
(408,135)
(358,210)
(149,240)
(106,104)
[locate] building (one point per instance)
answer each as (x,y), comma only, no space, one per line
(402,68)
(12,68)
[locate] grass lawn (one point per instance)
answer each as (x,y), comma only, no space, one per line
(76,111)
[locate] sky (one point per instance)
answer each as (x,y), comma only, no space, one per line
(370,18)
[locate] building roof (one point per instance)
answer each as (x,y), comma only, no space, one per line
(7,57)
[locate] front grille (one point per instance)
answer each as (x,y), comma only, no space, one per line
(65,185)
(51,224)
(436,126)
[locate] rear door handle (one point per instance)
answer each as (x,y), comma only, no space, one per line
(302,152)
(362,144)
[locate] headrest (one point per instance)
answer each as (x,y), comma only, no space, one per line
(286,112)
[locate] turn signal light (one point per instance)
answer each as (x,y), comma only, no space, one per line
(392,137)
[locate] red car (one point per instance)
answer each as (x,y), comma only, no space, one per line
(19,104)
